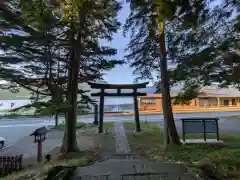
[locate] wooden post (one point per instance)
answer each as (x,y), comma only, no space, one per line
(218,101)
(204,127)
(230,101)
(183,130)
(145,113)
(95,114)
(139,103)
(217,129)
(197,102)
(137,121)
(101,113)
(39,153)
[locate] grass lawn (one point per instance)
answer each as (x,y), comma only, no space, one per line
(79,124)
(150,143)
(237,117)
(107,124)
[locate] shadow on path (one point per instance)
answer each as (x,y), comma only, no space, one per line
(124,165)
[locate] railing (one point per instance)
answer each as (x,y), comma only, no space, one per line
(9,164)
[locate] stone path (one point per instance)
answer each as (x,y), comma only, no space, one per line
(124,165)
(118,168)
(122,145)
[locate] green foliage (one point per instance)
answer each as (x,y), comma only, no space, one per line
(37,13)
(188,12)
(212,54)
(202,41)
(186,96)
(143,50)
(38,39)
(188,93)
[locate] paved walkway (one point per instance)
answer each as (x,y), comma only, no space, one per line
(118,168)
(122,145)
(124,165)
(28,148)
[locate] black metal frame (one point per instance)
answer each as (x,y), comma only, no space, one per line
(204,126)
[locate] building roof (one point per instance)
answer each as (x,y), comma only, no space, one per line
(204,92)
(219,92)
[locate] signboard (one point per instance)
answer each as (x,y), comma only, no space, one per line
(191,126)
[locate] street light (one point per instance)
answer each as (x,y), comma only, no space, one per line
(39,136)
(145,108)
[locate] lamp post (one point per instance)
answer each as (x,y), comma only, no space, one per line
(145,113)
(39,136)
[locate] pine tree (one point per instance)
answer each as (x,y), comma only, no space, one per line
(32,47)
(88,21)
(61,53)
(153,25)
(213,55)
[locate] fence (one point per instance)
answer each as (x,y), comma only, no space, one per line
(9,164)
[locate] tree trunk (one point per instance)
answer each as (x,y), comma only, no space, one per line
(64,142)
(69,143)
(170,131)
(69,140)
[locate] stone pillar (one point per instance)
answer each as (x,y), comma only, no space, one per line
(218,101)
(39,151)
(230,101)
(139,103)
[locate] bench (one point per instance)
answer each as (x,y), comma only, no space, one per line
(200,125)
(9,164)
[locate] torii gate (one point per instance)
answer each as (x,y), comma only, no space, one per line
(118,87)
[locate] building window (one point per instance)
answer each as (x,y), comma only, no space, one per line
(149,101)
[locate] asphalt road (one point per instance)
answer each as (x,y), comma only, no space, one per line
(15,129)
